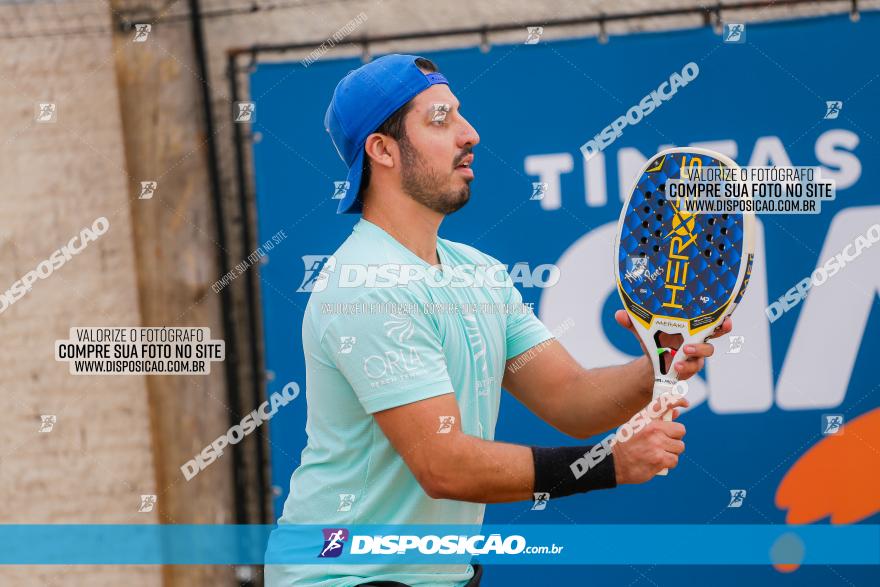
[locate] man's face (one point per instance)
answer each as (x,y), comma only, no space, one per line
(436,151)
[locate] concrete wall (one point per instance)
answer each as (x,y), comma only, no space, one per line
(57,179)
(125,112)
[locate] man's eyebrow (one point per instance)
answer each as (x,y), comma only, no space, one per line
(455,105)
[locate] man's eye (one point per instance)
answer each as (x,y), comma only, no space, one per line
(440,113)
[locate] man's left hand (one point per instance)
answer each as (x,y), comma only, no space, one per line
(696,353)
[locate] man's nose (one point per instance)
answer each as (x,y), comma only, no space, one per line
(469,135)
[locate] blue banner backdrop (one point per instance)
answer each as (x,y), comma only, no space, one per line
(762,403)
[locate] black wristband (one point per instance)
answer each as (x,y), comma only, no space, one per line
(560,471)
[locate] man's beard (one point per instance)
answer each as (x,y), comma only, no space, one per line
(427,186)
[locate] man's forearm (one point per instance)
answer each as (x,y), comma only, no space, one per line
(604,398)
(481,471)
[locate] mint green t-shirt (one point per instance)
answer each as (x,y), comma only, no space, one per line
(363,355)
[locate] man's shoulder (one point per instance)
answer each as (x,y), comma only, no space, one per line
(352,286)
(468,253)
(366,248)
(349,269)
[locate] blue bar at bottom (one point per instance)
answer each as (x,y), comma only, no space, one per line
(522,544)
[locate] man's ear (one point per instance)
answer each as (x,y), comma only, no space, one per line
(381,149)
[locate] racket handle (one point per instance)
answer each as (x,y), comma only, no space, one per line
(660,389)
(667,416)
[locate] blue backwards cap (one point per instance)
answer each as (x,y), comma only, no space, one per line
(362,101)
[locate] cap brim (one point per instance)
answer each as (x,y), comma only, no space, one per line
(351,204)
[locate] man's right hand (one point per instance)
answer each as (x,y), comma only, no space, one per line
(652,449)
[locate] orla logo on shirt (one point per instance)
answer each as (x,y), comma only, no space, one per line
(400,327)
(396,364)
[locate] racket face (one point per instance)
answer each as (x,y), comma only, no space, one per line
(680,272)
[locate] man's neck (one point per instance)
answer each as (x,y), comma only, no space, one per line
(409,223)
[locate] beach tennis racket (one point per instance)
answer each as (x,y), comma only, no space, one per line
(678,273)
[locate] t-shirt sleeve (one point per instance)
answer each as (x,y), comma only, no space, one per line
(390,357)
(524,329)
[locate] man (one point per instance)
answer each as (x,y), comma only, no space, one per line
(403,404)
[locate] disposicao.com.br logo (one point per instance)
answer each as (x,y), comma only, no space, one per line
(319,269)
(452,544)
(334,541)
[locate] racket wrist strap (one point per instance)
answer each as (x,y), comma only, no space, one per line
(566,470)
